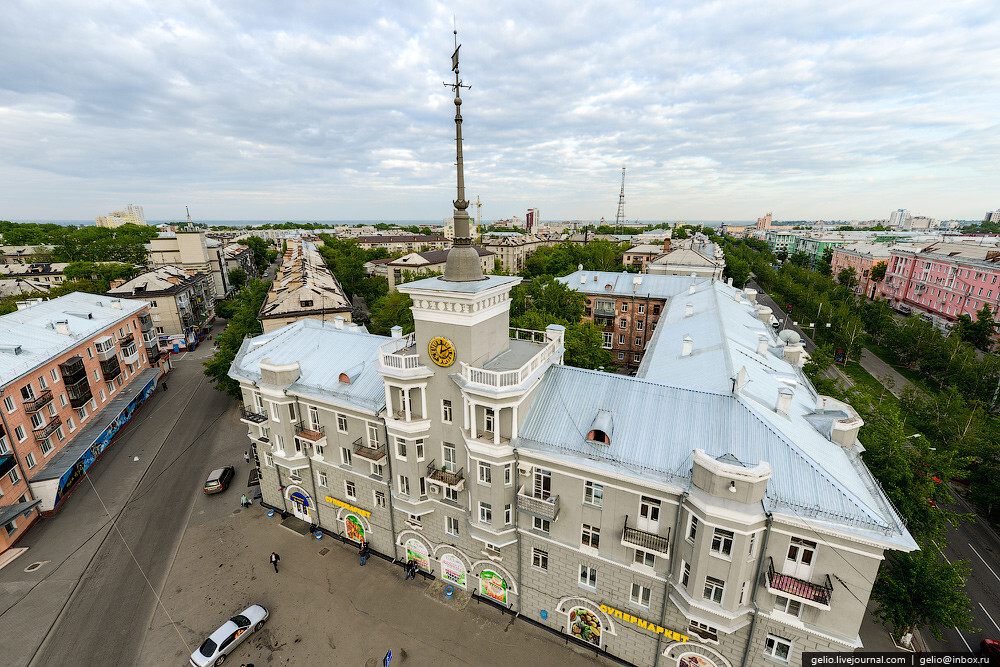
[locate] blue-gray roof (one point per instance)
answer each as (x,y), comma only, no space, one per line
(613,284)
(323,352)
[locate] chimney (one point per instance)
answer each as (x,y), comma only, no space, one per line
(338,322)
(62,326)
(583,278)
(751,295)
(352,327)
(686,347)
(397,331)
(762,346)
(116,303)
(784,404)
(730,282)
(117,282)
(688,309)
(738,297)
(691,289)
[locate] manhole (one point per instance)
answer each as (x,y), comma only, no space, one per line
(324,551)
(35,566)
(237,511)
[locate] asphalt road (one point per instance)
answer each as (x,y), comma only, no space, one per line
(91,600)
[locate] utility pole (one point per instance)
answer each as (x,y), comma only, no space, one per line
(620,218)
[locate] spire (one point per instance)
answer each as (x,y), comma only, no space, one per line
(188,214)
(463,263)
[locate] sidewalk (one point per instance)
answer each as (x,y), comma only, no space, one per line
(884,373)
(326,609)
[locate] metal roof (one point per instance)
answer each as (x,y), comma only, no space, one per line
(323,352)
(596,283)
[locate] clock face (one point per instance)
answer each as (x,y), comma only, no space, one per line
(442,351)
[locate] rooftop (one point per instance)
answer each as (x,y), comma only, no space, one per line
(28,337)
(609,283)
(303,284)
(428,257)
(164,280)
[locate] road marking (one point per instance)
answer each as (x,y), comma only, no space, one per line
(942,553)
(963,640)
(989,617)
(182,356)
(984,562)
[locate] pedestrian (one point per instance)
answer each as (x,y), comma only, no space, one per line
(243,501)
(411,569)
(363,550)
(274,560)
(246,456)
(164,386)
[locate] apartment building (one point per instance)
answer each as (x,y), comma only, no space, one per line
(944,280)
(72,371)
(694,256)
(180,302)
(26,254)
(422,263)
(713,510)
(303,287)
(513,249)
(50,273)
(404,242)
(192,250)
(862,257)
(132,215)
(237,256)
(638,257)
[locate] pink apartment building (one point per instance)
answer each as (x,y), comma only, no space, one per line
(944,280)
(72,372)
(862,257)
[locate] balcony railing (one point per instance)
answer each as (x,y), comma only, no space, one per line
(252,416)
(391,357)
(312,433)
(47,430)
(126,341)
(454,480)
(513,378)
(79,392)
(145,323)
(375,454)
(73,370)
(544,508)
(110,368)
(36,404)
(645,540)
(818,594)
(153,354)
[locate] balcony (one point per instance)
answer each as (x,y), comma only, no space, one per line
(641,539)
(374,454)
(527,340)
(606,308)
(453,480)
(399,357)
(248,415)
(110,368)
(79,392)
(130,354)
(36,404)
(145,323)
(105,348)
(153,354)
(816,595)
(126,340)
(45,431)
(544,508)
(73,370)
(310,432)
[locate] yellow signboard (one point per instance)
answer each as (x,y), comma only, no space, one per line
(652,627)
(341,503)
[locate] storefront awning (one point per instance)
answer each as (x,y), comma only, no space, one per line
(9,512)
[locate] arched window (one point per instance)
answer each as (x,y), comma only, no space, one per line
(599,436)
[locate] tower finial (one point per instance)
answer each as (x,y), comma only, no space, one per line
(463,260)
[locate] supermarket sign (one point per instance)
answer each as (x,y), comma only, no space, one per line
(645,625)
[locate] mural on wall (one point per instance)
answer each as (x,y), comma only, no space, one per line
(355,531)
(453,570)
(585,625)
(417,552)
(693,660)
(493,586)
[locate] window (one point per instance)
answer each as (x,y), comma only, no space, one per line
(777,648)
(591,536)
(722,542)
(37,421)
(508,515)
(624,307)
(400,449)
(644,558)
(55,376)
(621,355)
(103,398)
(640,595)
(685,573)
(420,449)
(714,588)
(342,423)
(27,393)
(488,422)
(656,309)
(621,339)
(321,479)
(540,524)
(635,358)
(704,631)
(787,606)
(372,435)
(268,460)
(485,473)
(90,354)
(414,520)
(743,592)
(404,485)
(274,411)
(422,482)
(752,548)
(313,417)
(19,432)
(14,477)
(638,340)
(47,443)
(62,400)
(72,425)
(446,411)
(451,526)
(30,461)
(350,490)
(42,382)
(448,457)
(379,499)
(508,474)
(377,470)
(540,559)
(10,527)
(9,404)
(588,577)
(319,450)
(638,325)
(608,339)
(291,412)
(593,494)
(623,323)
(345,455)
(450,494)
(640,308)
(693,528)
(485,513)
(493,549)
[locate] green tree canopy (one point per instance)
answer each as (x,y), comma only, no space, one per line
(242,323)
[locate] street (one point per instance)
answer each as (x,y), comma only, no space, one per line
(149,480)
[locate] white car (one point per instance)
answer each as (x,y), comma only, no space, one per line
(232,633)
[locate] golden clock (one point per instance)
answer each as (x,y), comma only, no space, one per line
(442,351)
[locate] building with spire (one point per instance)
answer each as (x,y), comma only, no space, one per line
(711,511)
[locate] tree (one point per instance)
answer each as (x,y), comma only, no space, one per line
(390,310)
(259,249)
(800,258)
(979,333)
(680,233)
(550,296)
(920,590)
(237,278)
(847,277)
(584,343)
(242,323)
(878,272)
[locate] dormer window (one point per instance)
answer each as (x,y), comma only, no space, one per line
(600,430)
(598,435)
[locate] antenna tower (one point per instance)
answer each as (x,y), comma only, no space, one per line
(620,218)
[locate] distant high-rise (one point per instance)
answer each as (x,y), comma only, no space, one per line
(992,216)
(132,215)
(763,224)
(531,219)
(899,218)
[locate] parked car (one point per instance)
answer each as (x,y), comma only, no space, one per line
(905,310)
(219,479)
(233,632)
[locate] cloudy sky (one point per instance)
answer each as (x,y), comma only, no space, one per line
(257,109)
